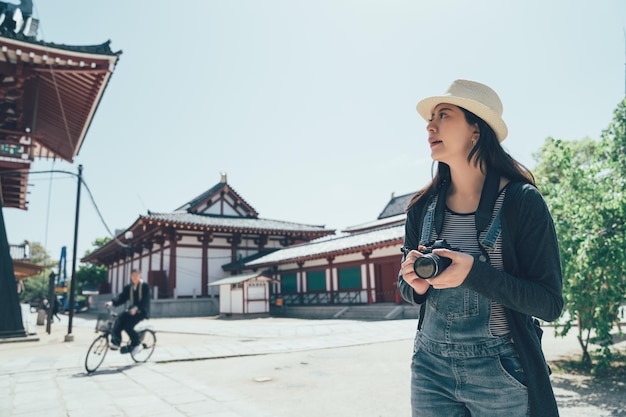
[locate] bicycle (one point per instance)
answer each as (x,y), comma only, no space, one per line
(100,346)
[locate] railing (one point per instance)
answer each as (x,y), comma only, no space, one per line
(20,252)
(316,298)
(347,297)
(320,298)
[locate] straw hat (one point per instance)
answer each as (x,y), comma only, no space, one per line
(475,97)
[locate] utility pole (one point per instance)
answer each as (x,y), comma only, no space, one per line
(69,337)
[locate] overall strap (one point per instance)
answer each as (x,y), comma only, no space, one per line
(488,243)
(427,224)
(490,239)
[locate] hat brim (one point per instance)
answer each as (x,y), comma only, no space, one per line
(426,106)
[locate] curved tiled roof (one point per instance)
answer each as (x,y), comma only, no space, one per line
(183,219)
(377,224)
(240,278)
(98,49)
(333,246)
(396,206)
(69,81)
(192,206)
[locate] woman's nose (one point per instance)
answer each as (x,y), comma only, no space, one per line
(430,126)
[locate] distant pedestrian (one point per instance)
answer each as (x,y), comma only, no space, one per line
(45,304)
(56,308)
(478,347)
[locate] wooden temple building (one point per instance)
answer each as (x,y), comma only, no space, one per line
(204,240)
(49,94)
(218,239)
(359,267)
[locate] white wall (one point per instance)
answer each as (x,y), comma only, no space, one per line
(188,271)
(217,258)
(225,301)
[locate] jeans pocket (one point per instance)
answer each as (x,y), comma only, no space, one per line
(511,364)
(454,303)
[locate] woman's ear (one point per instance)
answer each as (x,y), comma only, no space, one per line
(476,134)
(476,131)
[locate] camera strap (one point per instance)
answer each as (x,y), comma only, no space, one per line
(425,236)
(487,201)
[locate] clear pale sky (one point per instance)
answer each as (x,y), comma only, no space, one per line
(308,106)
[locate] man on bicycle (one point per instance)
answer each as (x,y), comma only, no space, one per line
(137,294)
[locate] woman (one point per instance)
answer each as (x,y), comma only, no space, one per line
(478,349)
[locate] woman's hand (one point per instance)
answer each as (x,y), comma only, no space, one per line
(419,285)
(455,274)
(452,277)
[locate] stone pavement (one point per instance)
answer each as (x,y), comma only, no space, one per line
(264,367)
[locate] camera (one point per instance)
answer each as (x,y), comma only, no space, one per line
(431,265)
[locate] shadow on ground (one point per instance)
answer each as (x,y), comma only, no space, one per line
(606,392)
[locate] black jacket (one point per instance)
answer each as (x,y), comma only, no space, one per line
(140,298)
(530,286)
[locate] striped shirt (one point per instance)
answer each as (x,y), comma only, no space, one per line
(459,230)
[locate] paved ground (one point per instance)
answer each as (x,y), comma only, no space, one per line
(270,367)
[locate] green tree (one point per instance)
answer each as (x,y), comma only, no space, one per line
(583,183)
(37,287)
(89,276)
(39,255)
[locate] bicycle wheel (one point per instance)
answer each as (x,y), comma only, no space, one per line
(148,342)
(96,353)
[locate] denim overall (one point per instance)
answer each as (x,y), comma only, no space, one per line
(459,367)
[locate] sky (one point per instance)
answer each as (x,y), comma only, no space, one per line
(307,106)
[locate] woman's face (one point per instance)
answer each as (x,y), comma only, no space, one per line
(449,135)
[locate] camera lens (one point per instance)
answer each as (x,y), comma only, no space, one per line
(425,267)
(430,265)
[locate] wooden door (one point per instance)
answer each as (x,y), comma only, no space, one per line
(386,281)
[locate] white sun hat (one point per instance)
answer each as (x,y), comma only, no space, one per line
(474,97)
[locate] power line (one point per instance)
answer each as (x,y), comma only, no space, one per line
(91,197)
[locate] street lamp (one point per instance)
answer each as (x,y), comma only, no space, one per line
(129,254)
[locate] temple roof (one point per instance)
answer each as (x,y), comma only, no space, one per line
(377,224)
(396,206)
(50,93)
(237,279)
(183,220)
(217,198)
(325,247)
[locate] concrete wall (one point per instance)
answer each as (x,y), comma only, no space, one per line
(179,307)
(206,307)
